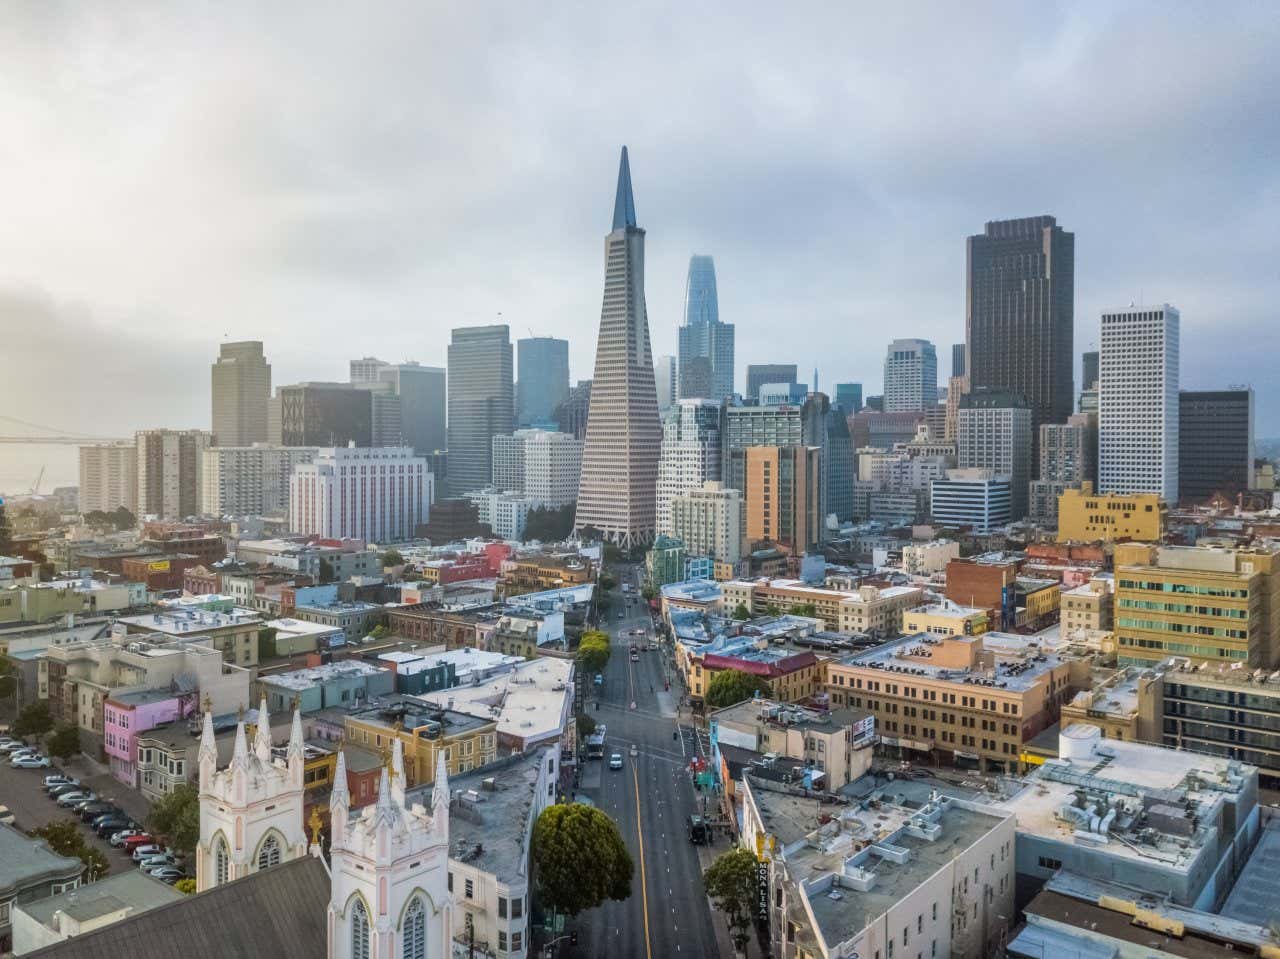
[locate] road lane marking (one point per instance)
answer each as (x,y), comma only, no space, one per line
(644,888)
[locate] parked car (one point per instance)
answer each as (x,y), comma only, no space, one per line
(109,825)
(12,746)
(169,874)
(138,839)
(615,761)
(146,850)
(59,779)
(151,862)
(34,761)
(62,790)
(6,816)
(118,839)
(67,800)
(91,811)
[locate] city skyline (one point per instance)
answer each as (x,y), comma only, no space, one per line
(331,266)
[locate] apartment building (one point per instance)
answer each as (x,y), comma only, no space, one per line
(249,480)
(233,633)
(1085,516)
(1088,607)
(876,611)
(945,619)
(955,695)
(425,732)
(709,521)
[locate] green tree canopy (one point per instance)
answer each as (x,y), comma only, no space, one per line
(608,581)
(806,609)
(64,742)
(741,612)
(392,557)
(176,817)
(65,838)
(586,725)
(34,720)
(185,886)
(549,524)
(649,591)
(729,687)
(593,651)
(579,858)
(731,883)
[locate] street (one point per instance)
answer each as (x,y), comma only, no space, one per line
(651,798)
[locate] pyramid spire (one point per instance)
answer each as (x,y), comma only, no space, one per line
(397,771)
(296,741)
(338,795)
(262,741)
(440,790)
(624,205)
(208,746)
(240,754)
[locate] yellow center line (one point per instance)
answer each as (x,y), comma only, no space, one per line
(644,887)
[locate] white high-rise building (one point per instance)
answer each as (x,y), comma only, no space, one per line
(542,464)
(367,370)
(976,498)
(708,521)
(910,376)
(508,461)
(1138,401)
(624,434)
(505,513)
(241,384)
(249,480)
(691,453)
(379,495)
(994,432)
(108,477)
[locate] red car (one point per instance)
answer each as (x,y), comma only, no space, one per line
(136,840)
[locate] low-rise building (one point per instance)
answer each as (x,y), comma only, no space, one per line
(1120,703)
(1086,516)
(71,913)
(30,870)
(326,561)
(987,582)
(925,559)
(875,611)
(356,619)
(1038,602)
(541,572)
(788,673)
(128,715)
(700,595)
(945,619)
(1088,607)
(343,684)
(294,636)
(836,744)
(233,633)
(426,732)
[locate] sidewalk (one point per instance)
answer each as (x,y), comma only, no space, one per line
(98,778)
(706,856)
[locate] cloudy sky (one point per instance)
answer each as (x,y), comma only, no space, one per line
(341,180)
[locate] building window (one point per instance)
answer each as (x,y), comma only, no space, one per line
(517,907)
(221,861)
(502,907)
(517,941)
(269,853)
(359,931)
(469,889)
(451,882)
(1047,862)
(502,941)
(415,931)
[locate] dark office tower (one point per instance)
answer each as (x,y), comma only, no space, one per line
(542,381)
(759,375)
(697,379)
(839,465)
(1019,312)
(1215,443)
(703,336)
(624,435)
(481,403)
(849,397)
(572,413)
(957,359)
(324,414)
(422,394)
(1090,370)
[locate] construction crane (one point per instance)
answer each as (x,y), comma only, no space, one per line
(35,490)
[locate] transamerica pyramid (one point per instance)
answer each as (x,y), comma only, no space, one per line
(624,434)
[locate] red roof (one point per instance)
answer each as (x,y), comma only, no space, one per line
(779,667)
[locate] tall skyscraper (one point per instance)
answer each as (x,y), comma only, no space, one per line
(1138,401)
(665,375)
(839,466)
(1089,367)
(241,380)
(422,404)
(849,398)
(366,369)
(168,471)
(957,359)
(108,477)
(572,413)
(783,499)
(704,336)
(542,382)
(994,433)
(323,414)
(624,434)
(691,450)
(910,376)
(1215,443)
(1019,315)
(481,403)
(760,374)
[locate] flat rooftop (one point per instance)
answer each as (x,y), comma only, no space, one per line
(414,713)
(180,622)
(300,679)
(527,701)
(299,627)
(1253,898)
(907,655)
(693,590)
(133,890)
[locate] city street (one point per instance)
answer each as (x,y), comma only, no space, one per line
(651,798)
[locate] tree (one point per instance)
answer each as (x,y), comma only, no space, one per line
(579,858)
(379,632)
(731,883)
(586,725)
(731,686)
(65,838)
(392,557)
(549,524)
(649,591)
(772,609)
(741,612)
(806,609)
(176,817)
(266,643)
(123,519)
(593,651)
(63,742)
(185,886)
(607,582)
(34,720)
(612,553)
(325,570)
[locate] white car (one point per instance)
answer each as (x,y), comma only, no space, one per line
(30,762)
(6,816)
(148,851)
(615,761)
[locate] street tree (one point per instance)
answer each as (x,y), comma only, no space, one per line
(731,686)
(64,837)
(741,612)
(392,557)
(586,725)
(579,858)
(731,883)
(176,817)
(593,651)
(34,720)
(63,742)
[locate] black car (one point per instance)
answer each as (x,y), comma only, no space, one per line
(91,811)
(113,824)
(699,831)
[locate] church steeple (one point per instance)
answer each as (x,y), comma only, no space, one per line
(262,741)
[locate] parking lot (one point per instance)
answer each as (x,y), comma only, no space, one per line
(22,790)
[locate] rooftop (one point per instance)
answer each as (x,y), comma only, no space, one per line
(24,861)
(1022,668)
(132,889)
(300,679)
(179,622)
(298,627)
(753,711)
(527,701)
(693,590)
(425,719)
(1252,898)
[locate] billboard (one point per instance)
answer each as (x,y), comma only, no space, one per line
(159,566)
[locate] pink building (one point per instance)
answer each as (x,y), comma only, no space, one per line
(126,716)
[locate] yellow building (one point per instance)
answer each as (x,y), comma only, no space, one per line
(1121,704)
(1086,516)
(1087,608)
(1207,604)
(945,619)
(466,741)
(868,609)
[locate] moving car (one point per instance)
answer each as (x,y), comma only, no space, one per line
(6,816)
(615,761)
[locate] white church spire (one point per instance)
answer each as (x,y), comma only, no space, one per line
(397,772)
(339,802)
(262,741)
(208,757)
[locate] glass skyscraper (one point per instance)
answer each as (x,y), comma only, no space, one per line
(543,379)
(704,337)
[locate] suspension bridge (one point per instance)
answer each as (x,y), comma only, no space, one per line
(41,435)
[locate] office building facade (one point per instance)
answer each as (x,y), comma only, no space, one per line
(665,377)
(241,385)
(994,433)
(691,452)
(803,424)
(910,376)
(323,414)
(1138,403)
(957,359)
(848,398)
(481,402)
(838,463)
(1064,464)
(1020,313)
(249,480)
(108,477)
(703,336)
(708,520)
(542,464)
(168,471)
(542,380)
(783,496)
(1215,443)
(377,495)
(423,401)
(971,497)
(624,435)
(758,374)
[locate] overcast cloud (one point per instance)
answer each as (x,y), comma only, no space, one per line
(341,180)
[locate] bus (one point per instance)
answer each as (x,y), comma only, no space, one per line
(595,743)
